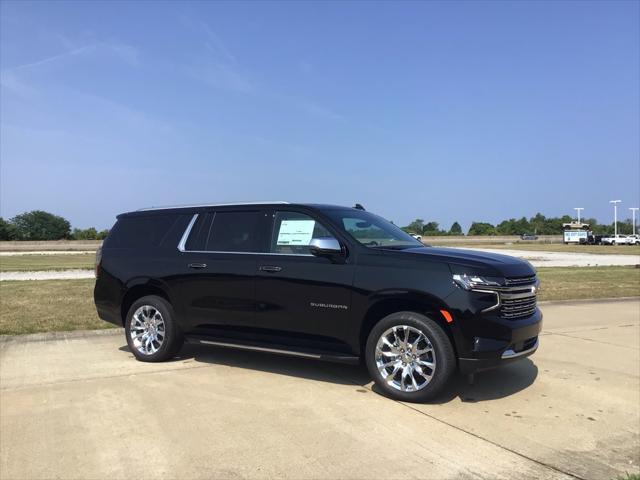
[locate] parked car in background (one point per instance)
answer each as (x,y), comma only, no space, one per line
(528,236)
(315,281)
(594,239)
(616,240)
(417,237)
(633,239)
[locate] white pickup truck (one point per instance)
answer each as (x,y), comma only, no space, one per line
(619,240)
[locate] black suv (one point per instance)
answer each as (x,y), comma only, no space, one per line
(314,281)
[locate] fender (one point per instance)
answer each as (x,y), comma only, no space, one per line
(148,284)
(384,302)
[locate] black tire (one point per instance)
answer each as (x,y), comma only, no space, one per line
(173,339)
(445,361)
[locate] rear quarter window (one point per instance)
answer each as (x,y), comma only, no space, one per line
(141,231)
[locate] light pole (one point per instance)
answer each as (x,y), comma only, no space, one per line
(578,209)
(633,212)
(615,216)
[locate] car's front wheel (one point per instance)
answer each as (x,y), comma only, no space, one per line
(409,357)
(151,330)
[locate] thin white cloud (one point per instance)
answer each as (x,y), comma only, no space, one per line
(11,82)
(319,111)
(220,69)
(213,43)
(123,52)
(126,53)
(53,58)
(225,77)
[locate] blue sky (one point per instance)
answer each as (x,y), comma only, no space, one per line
(444,111)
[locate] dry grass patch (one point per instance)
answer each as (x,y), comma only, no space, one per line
(47,306)
(573,283)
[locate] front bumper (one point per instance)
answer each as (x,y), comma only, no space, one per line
(472,365)
(496,341)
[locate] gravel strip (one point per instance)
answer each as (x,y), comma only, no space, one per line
(47,275)
(565,259)
(48,252)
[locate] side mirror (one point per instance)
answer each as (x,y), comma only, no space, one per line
(325,247)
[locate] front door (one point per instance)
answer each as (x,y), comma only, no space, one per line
(297,294)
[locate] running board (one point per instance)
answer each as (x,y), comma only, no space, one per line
(277,350)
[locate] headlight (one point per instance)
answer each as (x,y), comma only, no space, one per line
(472,282)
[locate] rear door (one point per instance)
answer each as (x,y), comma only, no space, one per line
(298,293)
(220,264)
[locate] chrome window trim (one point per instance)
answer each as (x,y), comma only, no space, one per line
(249,253)
(187,232)
(185,235)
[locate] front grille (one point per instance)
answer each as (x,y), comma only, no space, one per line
(512,282)
(514,308)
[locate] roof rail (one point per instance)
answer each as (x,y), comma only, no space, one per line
(168,207)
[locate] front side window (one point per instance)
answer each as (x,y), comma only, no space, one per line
(292,233)
(234,232)
(371,230)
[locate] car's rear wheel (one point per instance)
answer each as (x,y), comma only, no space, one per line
(409,357)
(151,330)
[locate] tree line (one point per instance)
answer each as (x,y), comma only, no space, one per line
(41,225)
(537,225)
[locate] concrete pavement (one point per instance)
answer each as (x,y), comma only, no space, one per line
(79,406)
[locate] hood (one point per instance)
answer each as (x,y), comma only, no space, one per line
(481,263)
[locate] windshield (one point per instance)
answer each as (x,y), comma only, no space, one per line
(371,230)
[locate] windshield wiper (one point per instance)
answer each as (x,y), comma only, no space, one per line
(393,247)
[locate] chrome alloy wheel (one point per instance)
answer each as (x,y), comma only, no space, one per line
(405,358)
(147,330)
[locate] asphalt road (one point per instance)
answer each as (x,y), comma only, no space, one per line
(79,406)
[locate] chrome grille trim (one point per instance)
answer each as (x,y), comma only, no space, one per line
(520,306)
(510,282)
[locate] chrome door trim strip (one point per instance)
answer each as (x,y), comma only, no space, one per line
(260,349)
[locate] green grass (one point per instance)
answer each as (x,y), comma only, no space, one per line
(47,306)
(573,283)
(21,263)
(628,476)
(551,247)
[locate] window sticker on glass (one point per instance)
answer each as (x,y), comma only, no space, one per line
(296,232)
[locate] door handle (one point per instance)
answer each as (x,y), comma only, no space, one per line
(270,268)
(197,266)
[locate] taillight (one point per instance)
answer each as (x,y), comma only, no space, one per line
(98,261)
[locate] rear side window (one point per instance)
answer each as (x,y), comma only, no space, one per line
(234,232)
(141,231)
(197,240)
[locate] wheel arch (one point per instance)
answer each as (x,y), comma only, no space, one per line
(409,302)
(141,288)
